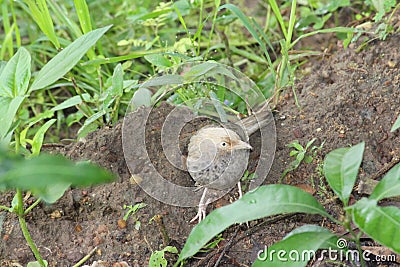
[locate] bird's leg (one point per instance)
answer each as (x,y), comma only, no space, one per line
(201,213)
(240,189)
(240,196)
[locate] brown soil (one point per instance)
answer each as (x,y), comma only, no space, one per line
(348,98)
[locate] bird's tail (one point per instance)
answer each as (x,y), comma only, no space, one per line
(257,120)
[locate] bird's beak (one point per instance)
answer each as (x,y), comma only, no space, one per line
(242,145)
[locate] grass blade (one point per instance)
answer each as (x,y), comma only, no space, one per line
(66,59)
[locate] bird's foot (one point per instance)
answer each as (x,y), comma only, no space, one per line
(201,213)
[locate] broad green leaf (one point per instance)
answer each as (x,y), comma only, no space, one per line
(8,109)
(73,101)
(40,173)
(389,186)
(142,97)
(341,168)
(297,248)
(199,70)
(14,79)
(380,223)
(264,201)
(169,79)
(2,65)
(64,61)
(158,60)
(51,193)
(39,136)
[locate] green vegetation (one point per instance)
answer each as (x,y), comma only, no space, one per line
(77,64)
(301,154)
(341,168)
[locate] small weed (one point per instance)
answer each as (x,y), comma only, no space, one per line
(247,177)
(301,154)
(157,258)
(132,212)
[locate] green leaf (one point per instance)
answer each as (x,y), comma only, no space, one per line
(396,125)
(253,30)
(341,168)
(168,79)
(158,60)
(297,248)
(199,70)
(83,14)
(15,76)
(42,17)
(296,145)
(90,124)
(117,88)
(51,193)
(39,136)
(73,101)
(389,186)
(40,173)
(157,258)
(380,223)
(142,97)
(280,198)
(8,109)
(36,264)
(218,107)
(118,81)
(64,61)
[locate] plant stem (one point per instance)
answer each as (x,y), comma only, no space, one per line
(82,261)
(25,231)
(32,206)
(360,251)
(4,208)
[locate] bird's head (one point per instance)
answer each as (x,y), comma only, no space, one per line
(222,140)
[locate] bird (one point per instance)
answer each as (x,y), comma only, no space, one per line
(214,161)
(217,155)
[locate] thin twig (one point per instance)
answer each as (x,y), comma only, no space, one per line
(84,259)
(385,168)
(227,247)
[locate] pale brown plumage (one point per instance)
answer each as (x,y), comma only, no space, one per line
(214,157)
(209,169)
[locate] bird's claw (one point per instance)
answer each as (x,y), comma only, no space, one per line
(201,213)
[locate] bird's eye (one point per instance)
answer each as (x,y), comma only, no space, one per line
(224,144)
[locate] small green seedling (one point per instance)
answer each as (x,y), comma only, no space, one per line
(157,258)
(247,177)
(301,154)
(132,211)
